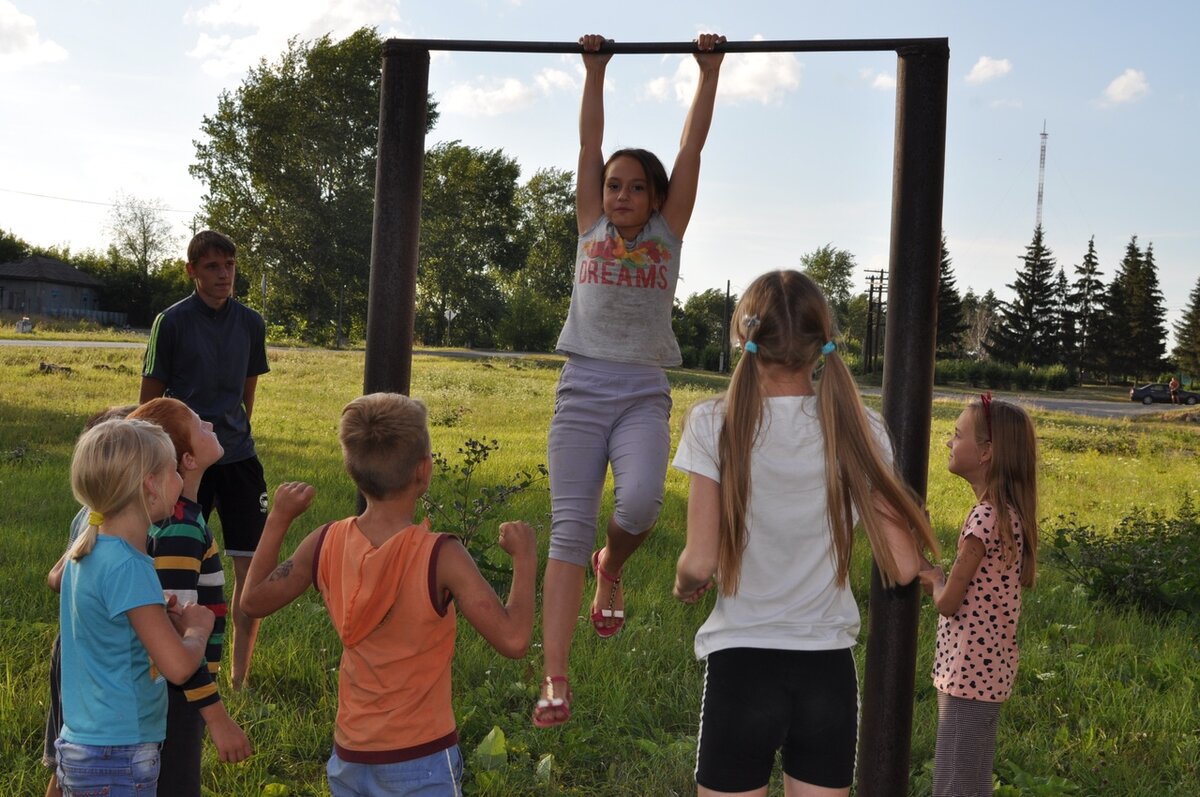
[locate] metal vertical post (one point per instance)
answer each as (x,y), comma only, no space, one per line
(917,178)
(391,305)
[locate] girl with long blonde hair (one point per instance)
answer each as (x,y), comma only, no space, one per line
(783,467)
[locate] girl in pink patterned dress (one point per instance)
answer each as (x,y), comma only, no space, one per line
(994,449)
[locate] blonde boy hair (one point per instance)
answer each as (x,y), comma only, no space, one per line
(384,436)
(108,468)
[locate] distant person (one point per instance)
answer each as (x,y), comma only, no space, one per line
(120,638)
(1173,385)
(189,567)
(54,713)
(994,449)
(781,470)
(208,351)
(613,402)
(391,586)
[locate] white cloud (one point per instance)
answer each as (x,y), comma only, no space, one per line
(1004,104)
(1129,86)
(489,96)
(235,34)
(987,68)
(21,44)
(550,80)
(753,77)
(878,80)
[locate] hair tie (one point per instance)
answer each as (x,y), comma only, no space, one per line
(751,347)
(829,348)
(95,518)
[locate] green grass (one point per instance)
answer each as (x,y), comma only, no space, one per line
(1106,697)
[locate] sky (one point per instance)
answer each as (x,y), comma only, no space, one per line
(104,99)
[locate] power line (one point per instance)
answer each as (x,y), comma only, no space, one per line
(88,201)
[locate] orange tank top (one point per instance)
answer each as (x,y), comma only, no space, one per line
(397,639)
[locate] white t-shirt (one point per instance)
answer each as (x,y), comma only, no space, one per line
(788,597)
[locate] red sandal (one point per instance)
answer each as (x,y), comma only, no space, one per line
(554,698)
(599,616)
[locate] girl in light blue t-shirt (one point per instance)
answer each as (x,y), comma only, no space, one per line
(118,640)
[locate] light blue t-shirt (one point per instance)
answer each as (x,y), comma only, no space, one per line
(110,693)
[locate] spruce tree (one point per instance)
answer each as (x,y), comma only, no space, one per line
(1026,333)
(1087,303)
(1151,320)
(1065,335)
(950,322)
(1187,337)
(1124,334)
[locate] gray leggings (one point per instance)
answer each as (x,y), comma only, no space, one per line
(966,746)
(606,413)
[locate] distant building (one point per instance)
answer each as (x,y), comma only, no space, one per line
(40,285)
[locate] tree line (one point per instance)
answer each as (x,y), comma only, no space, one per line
(288,164)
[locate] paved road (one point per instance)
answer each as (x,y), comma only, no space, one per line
(1098,409)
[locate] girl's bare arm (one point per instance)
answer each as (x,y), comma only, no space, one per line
(685,175)
(948,593)
(589,179)
(698,561)
(175,648)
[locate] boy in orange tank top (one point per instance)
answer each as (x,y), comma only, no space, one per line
(391,587)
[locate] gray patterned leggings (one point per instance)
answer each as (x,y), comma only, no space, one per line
(966,745)
(606,413)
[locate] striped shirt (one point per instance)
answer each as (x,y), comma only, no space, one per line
(189,567)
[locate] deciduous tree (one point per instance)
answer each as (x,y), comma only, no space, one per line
(12,248)
(140,233)
(288,164)
(469,220)
(833,270)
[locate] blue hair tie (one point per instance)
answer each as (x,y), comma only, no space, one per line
(751,347)
(829,348)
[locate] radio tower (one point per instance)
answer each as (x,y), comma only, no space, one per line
(1041,175)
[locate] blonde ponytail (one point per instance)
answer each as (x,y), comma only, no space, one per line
(108,467)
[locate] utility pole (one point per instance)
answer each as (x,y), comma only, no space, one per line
(876,308)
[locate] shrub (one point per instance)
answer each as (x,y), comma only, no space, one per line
(999,376)
(458,504)
(1148,560)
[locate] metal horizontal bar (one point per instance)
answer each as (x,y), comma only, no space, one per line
(653,48)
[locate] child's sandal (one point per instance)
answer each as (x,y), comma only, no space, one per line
(555,700)
(600,617)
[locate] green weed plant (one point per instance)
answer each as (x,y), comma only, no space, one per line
(1148,559)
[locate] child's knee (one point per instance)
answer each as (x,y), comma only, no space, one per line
(638,515)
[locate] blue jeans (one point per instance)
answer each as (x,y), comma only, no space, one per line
(121,771)
(436,775)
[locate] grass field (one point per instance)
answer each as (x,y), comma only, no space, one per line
(1106,701)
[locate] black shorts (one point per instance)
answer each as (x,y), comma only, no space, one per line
(803,703)
(238,491)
